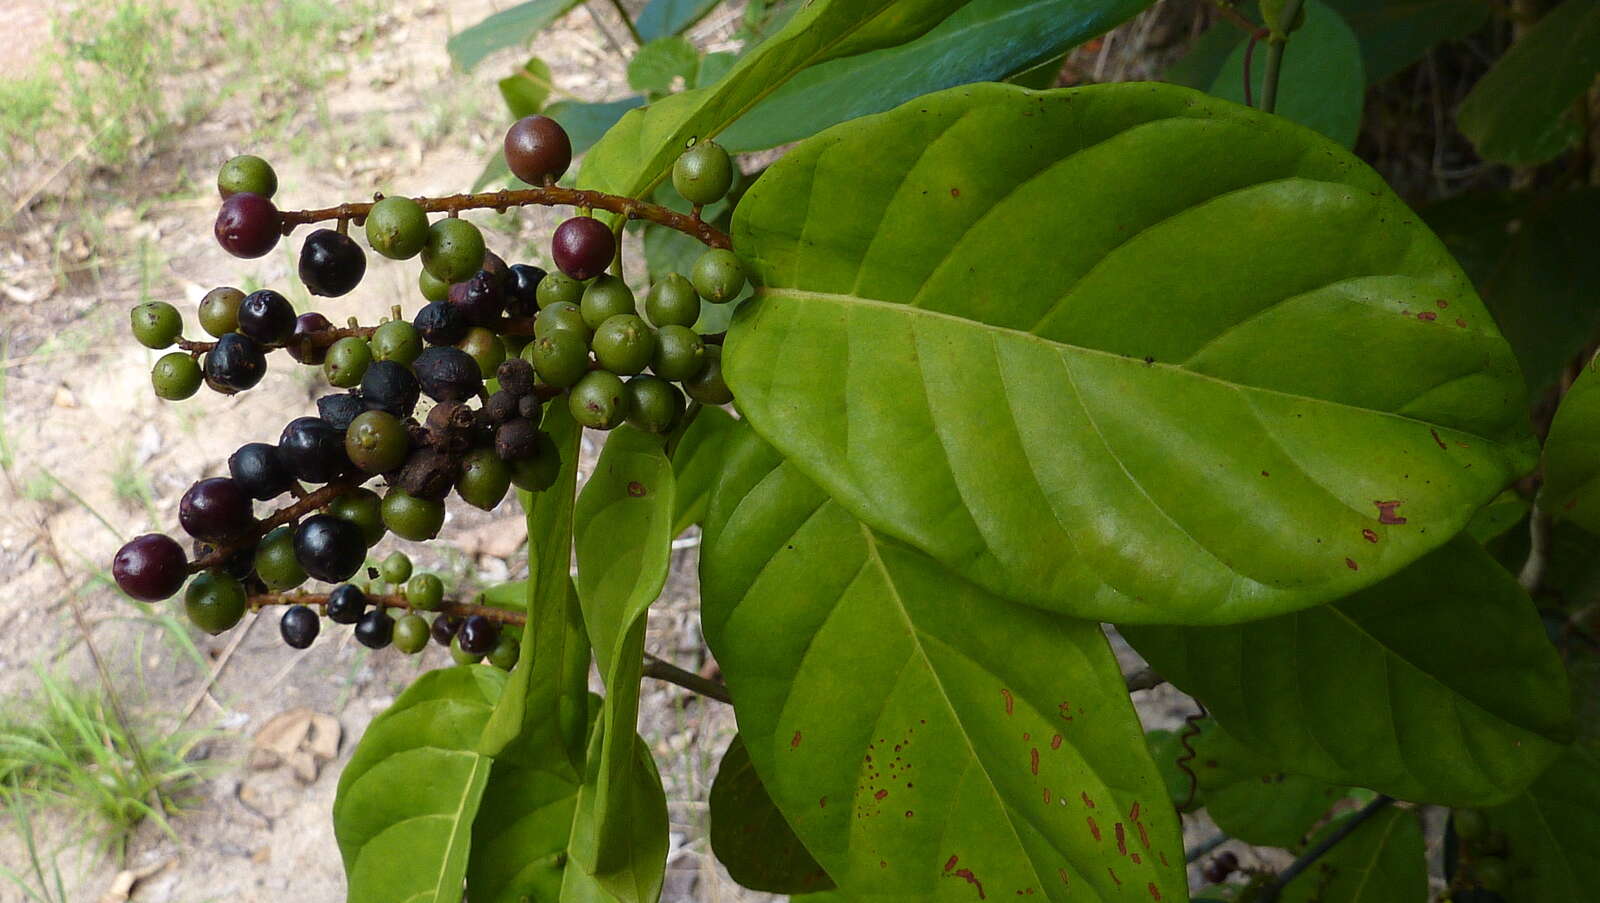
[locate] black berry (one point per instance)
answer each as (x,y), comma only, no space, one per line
(339,410)
(522,290)
(267,317)
(478,635)
(313,450)
(331,264)
(448,374)
(215,509)
(259,470)
(346,604)
(300,345)
(299,626)
(441,323)
(329,548)
(235,363)
(444,629)
(480,299)
(389,386)
(375,629)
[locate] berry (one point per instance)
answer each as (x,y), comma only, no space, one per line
(703,173)
(537,149)
(219,311)
(441,323)
(561,315)
(515,376)
(599,400)
(247,172)
(247,225)
(1217,870)
(175,376)
(531,407)
(1470,825)
(606,297)
(495,265)
(673,302)
(653,404)
(347,362)
(331,264)
(396,568)
(313,450)
(156,324)
(461,656)
(396,341)
(431,288)
(392,387)
(259,470)
(537,471)
(267,317)
(362,508)
(718,275)
(425,591)
(481,299)
(522,290)
(397,228)
(214,602)
(301,346)
(376,442)
(454,249)
(215,509)
(478,635)
(340,410)
(485,348)
(275,563)
(558,287)
(679,353)
(515,439)
(150,567)
(502,405)
(505,653)
(329,548)
(444,629)
(624,344)
(346,604)
(235,363)
(375,629)
(708,386)
(410,634)
(412,518)
(583,247)
(299,627)
(448,374)
(484,479)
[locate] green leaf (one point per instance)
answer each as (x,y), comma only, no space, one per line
(714,66)
(526,89)
(1322,85)
(1396,33)
(1554,830)
(1572,455)
(657,64)
(1249,799)
(1437,685)
(1506,511)
(1061,409)
(1382,861)
(509,27)
(749,834)
(624,545)
(587,123)
(985,40)
(697,463)
(668,17)
(1199,65)
(1518,113)
(405,805)
(926,740)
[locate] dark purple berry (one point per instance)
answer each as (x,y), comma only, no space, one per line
(313,450)
(583,247)
(522,286)
(390,386)
(151,567)
(448,374)
(300,346)
(444,629)
(329,548)
(478,635)
(375,629)
(340,409)
(331,264)
(537,149)
(235,363)
(267,317)
(259,470)
(480,299)
(346,604)
(247,225)
(299,626)
(215,509)
(516,377)
(441,323)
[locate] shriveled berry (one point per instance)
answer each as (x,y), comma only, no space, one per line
(718,275)
(522,290)
(259,470)
(275,563)
(329,548)
(485,348)
(397,228)
(599,400)
(425,591)
(303,344)
(396,568)
(150,567)
(480,298)
(679,353)
(175,376)
(247,225)
(441,323)
(505,653)
(454,250)
(432,288)
(428,474)
(478,635)
(347,362)
(537,149)
(515,439)
(583,247)
(377,442)
(360,507)
(537,471)
(444,628)
(515,376)
(339,410)
(530,406)
(235,363)
(654,405)
(219,311)
(397,341)
(606,297)
(409,517)
(247,172)
(561,315)
(502,406)
(484,479)
(155,324)
(672,301)
(624,344)
(557,288)
(448,374)
(215,509)
(331,264)
(313,450)
(213,601)
(375,630)
(267,317)
(299,627)
(410,634)
(346,604)
(708,386)
(392,387)
(703,173)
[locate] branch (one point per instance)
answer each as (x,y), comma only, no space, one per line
(311,340)
(1143,679)
(1270,894)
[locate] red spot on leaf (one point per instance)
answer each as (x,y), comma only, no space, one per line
(1113,873)
(1428,316)
(1136,859)
(1086,800)
(1064,878)
(1442,303)
(636,489)
(1461,323)
(1351,564)
(950,863)
(1026,736)
(1570,504)
(967,876)
(1386,512)
(1055,742)
(796,742)
(1437,440)
(1033,760)
(822,803)
(1144,836)
(1163,858)
(909,813)
(1047,796)
(880,794)
(1155,893)
(955,192)
(1265,474)
(1369,535)
(1010,703)
(1133,812)
(1065,711)
(1122,840)
(1094,829)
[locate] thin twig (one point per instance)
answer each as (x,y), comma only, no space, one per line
(1275,48)
(216,670)
(633,30)
(1309,857)
(1532,575)
(665,670)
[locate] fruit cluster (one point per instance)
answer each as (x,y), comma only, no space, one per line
(490,348)
(1483,856)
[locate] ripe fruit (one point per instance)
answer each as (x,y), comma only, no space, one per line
(561,315)
(409,517)
(606,297)
(360,507)
(481,299)
(515,376)
(561,357)
(346,604)
(653,404)
(718,275)
(376,442)
(299,627)
(515,439)
(175,376)
(703,173)
(247,225)
(388,386)
(537,471)
(396,341)
(397,228)
(259,470)
(454,249)
(478,635)
(708,386)
(505,653)
(267,317)
(583,247)
(599,400)
(340,410)
(1217,870)
(347,362)
(441,323)
(301,346)
(410,634)
(624,344)
(522,290)
(150,567)
(235,363)
(448,374)
(215,509)
(484,347)
(537,149)
(425,591)
(247,172)
(375,629)
(219,311)
(329,548)
(275,563)
(396,568)
(444,629)
(331,264)
(484,479)
(679,353)
(672,302)
(313,450)
(557,287)
(214,602)
(155,324)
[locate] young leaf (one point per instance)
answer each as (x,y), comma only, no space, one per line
(1382,861)
(924,739)
(526,89)
(1572,455)
(1072,371)
(658,63)
(1553,827)
(697,463)
(1321,86)
(405,805)
(1437,685)
(668,17)
(749,835)
(509,27)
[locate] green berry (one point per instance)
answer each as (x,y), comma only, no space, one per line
(275,561)
(718,275)
(1470,825)
(219,311)
(679,353)
(396,568)
(673,302)
(654,405)
(708,386)
(506,652)
(599,400)
(558,287)
(347,361)
(461,656)
(410,517)
(433,289)
(606,297)
(156,324)
(247,172)
(515,343)
(561,357)
(176,376)
(624,344)
(703,173)
(397,228)
(214,602)
(484,347)
(560,315)
(484,479)
(538,471)
(454,251)
(425,591)
(362,508)
(410,634)
(376,442)
(396,341)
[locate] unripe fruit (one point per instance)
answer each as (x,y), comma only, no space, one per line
(302,344)
(679,353)
(396,341)
(505,653)
(360,507)
(409,517)
(175,376)
(329,548)
(583,247)
(672,301)
(718,275)
(537,149)
(431,288)
(235,363)
(703,173)
(215,509)
(537,471)
(219,311)
(454,250)
(461,656)
(410,634)
(247,225)
(654,405)
(708,386)
(624,344)
(484,479)
(376,442)
(347,362)
(346,604)
(561,357)
(561,315)
(267,317)
(259,470)
(396,568)
(155,324)
(606,297)
(558,287)
(313,450)
(247,173)
(599,400)
(425,591)
(213,601)
(299,627)
(375,629)
(392,387)
(275,563)
(331,264)
(397,228)
(484,347)
(150,567)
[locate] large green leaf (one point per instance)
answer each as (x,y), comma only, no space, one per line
(749,834)
(1321,86)
(1572,455)
(510,27)
(926,740)
(1251,800)
(1554,831)
(1382,861)
(623,536)
(404,808)
(1396,33)
(696,464)
(1127,351)
(1436,685)
(1519,112)
(657,64)
(985,40)
(668,17)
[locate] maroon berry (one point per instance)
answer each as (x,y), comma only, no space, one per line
(215,509)
(444,629)
(299,345)
(480,299)
(247,225)
(150,568)
(583,247)
(537,148)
